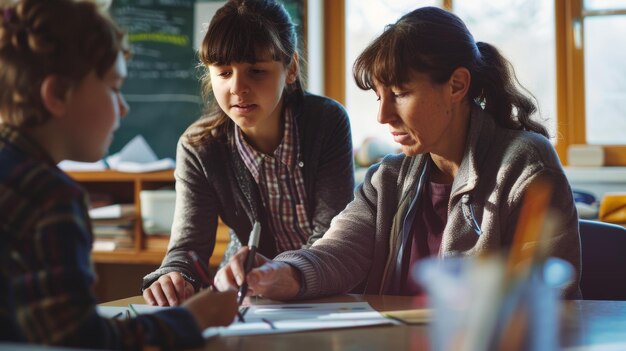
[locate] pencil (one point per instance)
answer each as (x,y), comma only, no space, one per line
(203,271)
(529,224)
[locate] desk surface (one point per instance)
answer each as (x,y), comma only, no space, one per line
(598,323)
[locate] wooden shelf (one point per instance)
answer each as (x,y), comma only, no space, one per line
(125,188)
(102,176)
(128,256)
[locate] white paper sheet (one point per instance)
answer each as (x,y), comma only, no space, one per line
(289,318)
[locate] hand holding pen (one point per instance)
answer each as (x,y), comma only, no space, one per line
(253,243)
(203,272)
(254,274)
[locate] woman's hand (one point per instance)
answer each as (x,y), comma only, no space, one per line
(170,289)
(213,309)
(270,279)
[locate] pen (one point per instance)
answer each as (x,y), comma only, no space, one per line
(253,242)
(203,271)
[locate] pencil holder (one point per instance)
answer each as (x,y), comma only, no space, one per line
(477,305)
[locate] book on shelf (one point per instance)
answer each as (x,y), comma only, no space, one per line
(113,211)
(112,243)
(112,231)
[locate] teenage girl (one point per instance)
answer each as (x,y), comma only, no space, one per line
(267,151)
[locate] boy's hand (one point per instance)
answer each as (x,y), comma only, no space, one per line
(170,289)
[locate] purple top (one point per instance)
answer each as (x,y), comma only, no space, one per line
(427,228)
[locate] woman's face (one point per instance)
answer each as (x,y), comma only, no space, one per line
(251,93)
(418,113)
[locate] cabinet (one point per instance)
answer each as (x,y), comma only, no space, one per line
(125,188)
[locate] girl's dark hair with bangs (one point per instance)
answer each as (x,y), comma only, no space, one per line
(68,38)
(435,42)
(240,31)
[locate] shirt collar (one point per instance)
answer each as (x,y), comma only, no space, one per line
(18,139)
(286,152)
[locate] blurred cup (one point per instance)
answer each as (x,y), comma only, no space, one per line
(476,306)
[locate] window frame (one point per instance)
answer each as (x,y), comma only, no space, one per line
(570,84)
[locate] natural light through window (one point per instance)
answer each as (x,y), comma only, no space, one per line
(523,31)
(605,79)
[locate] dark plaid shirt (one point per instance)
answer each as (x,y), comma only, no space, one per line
(46,273)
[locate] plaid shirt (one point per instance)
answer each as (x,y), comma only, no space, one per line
(46,273)
(280,181)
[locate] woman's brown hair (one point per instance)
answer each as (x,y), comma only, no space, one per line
(238,32)
(435,42)
(39,38)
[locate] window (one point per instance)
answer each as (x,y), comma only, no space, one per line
(605,75)
(592,78)
(523,31)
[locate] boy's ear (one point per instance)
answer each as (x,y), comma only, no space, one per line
(54,91)
(459,83)
(294,67)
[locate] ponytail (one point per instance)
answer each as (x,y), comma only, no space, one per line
(496,89)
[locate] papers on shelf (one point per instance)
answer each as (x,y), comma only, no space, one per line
(135,157)
(101,245)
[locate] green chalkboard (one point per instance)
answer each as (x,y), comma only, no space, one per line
(163,85)
(162,88)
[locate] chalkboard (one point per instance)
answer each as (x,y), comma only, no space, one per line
(163,85)
(162,88)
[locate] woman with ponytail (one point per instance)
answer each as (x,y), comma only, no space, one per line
(470,150)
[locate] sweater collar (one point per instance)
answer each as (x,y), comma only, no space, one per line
(481,126)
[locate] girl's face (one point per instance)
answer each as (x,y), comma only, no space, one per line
(251,93)
(94,110)
(418,113)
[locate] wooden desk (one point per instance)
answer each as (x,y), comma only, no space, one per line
(589,323)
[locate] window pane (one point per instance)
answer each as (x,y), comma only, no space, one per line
(365,20)
(605,79)
(523,31)
(604,4)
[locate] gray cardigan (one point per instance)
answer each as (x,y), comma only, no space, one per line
(362,244)
(212,181)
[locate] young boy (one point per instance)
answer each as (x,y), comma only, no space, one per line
(62,69)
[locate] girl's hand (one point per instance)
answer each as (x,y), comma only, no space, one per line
(170,289)
(270,279)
